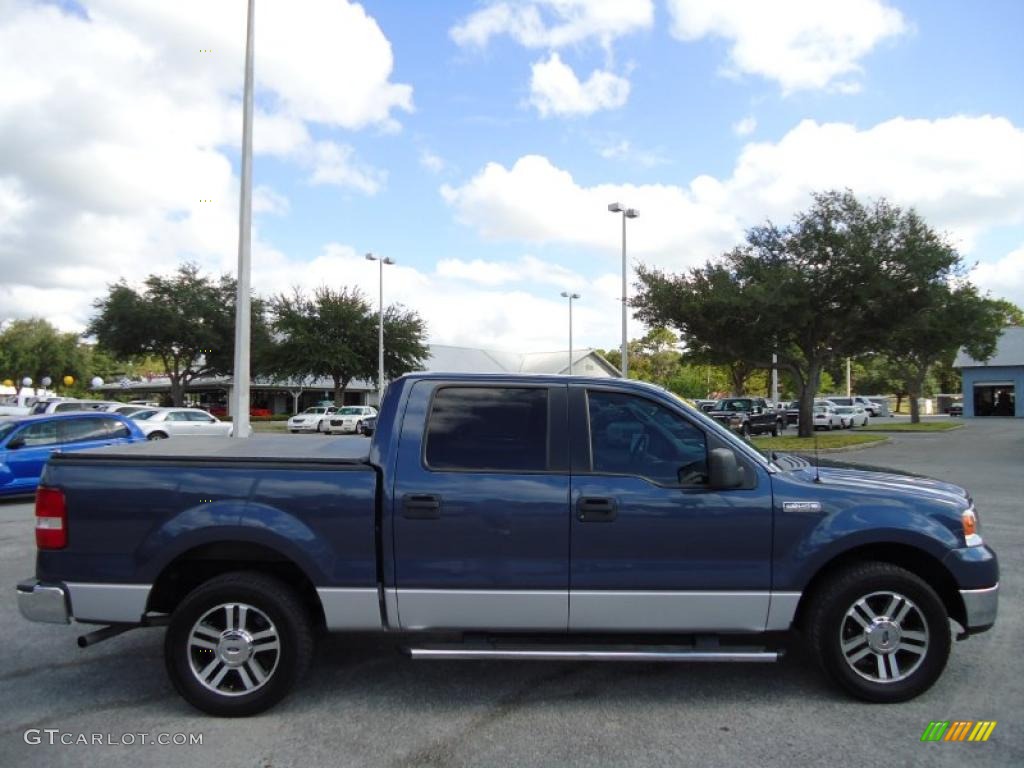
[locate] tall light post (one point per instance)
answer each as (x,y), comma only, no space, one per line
(240,390)
(380,329)
(570,297)
(627,213)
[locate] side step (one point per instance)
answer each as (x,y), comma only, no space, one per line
(610,653)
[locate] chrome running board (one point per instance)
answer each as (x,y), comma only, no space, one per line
(590,654)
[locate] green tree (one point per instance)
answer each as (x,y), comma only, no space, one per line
(36,349)
(186,321)
(956,316)
(334,334)
(1012,314)
(833,284)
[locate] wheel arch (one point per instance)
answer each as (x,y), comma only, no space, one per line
(916,560)
(203,562)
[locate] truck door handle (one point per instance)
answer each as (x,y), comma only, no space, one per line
(421,506)
(596,509)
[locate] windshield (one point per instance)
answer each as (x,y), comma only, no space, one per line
(6,429)
(844,409)
(821,409)
(350,411)
(143,415)
(315,410)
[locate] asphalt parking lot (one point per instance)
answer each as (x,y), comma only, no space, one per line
(365,705)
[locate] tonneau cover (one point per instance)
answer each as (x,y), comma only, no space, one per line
(262,448)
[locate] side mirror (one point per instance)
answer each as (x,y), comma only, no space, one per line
(16,443)
(723,470)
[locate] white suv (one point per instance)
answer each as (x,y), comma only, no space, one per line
(349,419)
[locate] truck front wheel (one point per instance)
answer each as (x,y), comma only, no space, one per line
(879,631)
(237,644)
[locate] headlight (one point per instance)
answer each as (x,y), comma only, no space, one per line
(970,522)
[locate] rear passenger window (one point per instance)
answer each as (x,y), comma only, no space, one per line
(79,430)
(488,428)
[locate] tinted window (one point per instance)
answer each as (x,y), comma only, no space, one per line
(488,428)
(77,430)
(143,415)
(40,433)
(177,416)
(634,436)
(196,416)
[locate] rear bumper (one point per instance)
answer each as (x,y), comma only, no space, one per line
(980,608)
(43,602)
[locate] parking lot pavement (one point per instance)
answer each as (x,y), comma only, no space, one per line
(365,705)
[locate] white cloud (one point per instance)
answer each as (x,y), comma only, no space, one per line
(1003,277)
(745,126)
(266,200)
(432,161)
(528,269)
(624,151)
(336,164)
(513,305)
(114,128)
(555,89)
(554,23)
(801,44)
(964,174)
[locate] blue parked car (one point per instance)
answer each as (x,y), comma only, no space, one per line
(27,443)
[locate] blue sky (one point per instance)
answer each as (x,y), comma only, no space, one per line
(477,143)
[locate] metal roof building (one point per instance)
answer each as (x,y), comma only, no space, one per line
(993,387)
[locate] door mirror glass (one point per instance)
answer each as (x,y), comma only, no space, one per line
(723,470)
(16,443)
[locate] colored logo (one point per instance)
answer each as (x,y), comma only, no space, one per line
(958,730)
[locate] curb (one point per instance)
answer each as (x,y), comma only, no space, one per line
(914,431)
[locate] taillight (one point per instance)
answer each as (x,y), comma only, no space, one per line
(51,519)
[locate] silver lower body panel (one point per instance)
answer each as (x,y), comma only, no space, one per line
(570,654)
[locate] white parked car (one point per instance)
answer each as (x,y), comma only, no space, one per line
(853,415)
(66,405)
(311,420)
(161,423)
(349,419)
(826,417)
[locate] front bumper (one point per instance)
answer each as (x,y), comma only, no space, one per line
(980,608)
(43,602)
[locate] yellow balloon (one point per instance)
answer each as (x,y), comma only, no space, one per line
(69,380)
(8,383)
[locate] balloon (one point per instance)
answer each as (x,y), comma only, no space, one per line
(96,382)
(47,381)
(69,380)
(27,381)
(8,383)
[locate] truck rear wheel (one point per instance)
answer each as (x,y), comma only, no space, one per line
(879,631)
(237,644)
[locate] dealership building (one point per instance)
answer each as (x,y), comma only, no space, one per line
(993,387)
(292,395)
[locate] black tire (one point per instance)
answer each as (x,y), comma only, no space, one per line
(156,436)
(745,429)
(359,427)
(829,621)
(271,606)
(320,427)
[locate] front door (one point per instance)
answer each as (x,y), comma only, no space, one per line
(653,547)
(481,508)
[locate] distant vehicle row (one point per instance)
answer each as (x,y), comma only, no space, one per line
(329,420)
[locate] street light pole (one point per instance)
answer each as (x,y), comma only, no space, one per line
(240,391)
(627,213)
(380,328)
(570,297)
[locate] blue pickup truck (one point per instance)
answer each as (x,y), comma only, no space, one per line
(508,517)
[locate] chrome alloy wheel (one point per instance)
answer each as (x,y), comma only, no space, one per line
(233,649)
(884,637)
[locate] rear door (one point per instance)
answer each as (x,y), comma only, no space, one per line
(481,508)
(653,547)
(177,423)
(34,444)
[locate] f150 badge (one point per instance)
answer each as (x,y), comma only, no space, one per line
(801,506)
